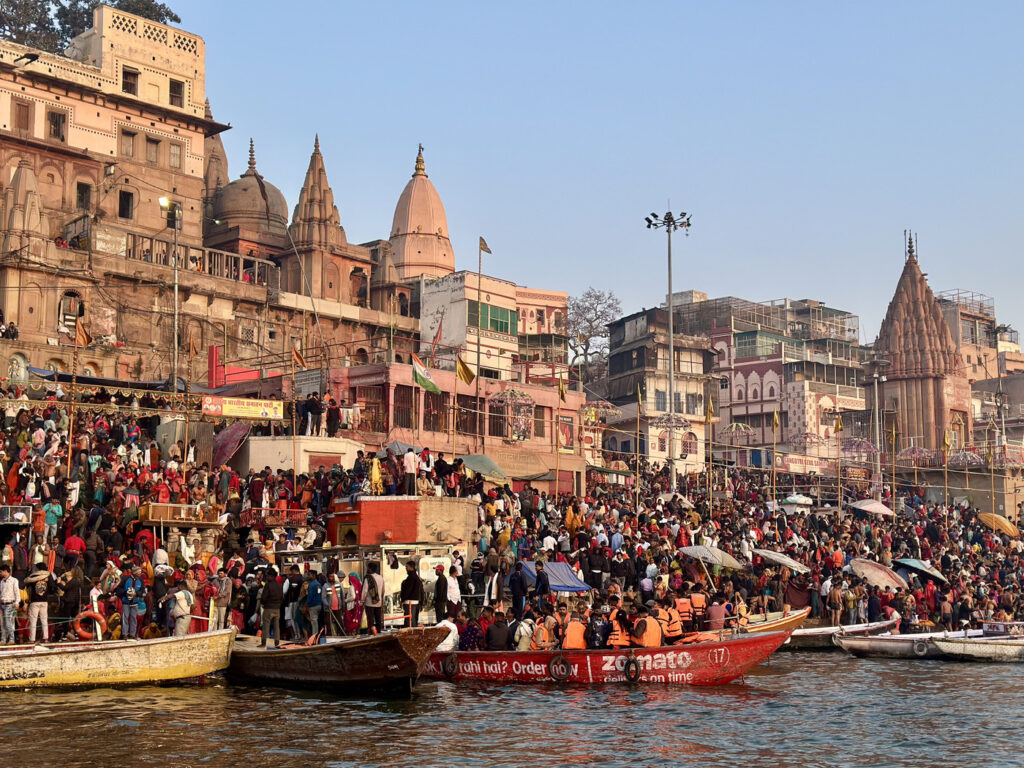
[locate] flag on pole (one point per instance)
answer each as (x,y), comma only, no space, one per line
(422,376)
(775,421)
(297,358)
(561,390)
(709,414)
(463,371)
(946,442)
(82,337)
(639,401)
(193,347)
(483,246)
(839,423)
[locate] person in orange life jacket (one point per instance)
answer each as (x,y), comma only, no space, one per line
(699,603)
(646,630)
(671,624)
(574,633)
(621,627)
(561,620)
(544,638)
(685,610)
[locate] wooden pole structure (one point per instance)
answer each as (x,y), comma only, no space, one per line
(839,465)
(188,393)
(558,442)
(71,405)
(295,449)
(775,428)
(455,410)
(636,451)
(992,477)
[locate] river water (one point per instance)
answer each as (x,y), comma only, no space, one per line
(797,710)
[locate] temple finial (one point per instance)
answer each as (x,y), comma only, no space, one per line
(910,246)
(252,155)
(421,169)
(316,143)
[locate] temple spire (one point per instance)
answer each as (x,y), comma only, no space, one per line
(421,169)
(252,156)
(910,246)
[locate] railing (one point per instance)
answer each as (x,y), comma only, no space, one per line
(269,516)
(18,514)
(176,513)
(207,261)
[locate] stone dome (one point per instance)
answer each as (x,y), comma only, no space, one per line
(419,233)
(252,200)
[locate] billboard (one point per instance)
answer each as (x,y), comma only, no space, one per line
(242,408)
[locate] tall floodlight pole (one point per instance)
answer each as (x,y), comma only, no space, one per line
(670,222)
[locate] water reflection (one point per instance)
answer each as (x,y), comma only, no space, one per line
(809,710)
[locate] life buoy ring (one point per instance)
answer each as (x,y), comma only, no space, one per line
(90,616)
(920,648)
(632,669)
(450,665)
(559,668)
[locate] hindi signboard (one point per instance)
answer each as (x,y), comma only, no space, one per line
(242,408)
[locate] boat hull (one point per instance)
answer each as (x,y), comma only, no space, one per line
(709,663)
(389,662)
(788,623)
(824,638)
(116,663)
(1001,651)
(893,646)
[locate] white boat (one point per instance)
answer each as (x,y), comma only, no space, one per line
(898,646)
(1006,650)
(115,662)
(822,638)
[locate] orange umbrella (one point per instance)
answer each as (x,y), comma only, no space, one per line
(1000,524)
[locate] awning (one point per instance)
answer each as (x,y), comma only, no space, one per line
(398,448)
(561,576)
(161,385)
(227,442)
(484,465)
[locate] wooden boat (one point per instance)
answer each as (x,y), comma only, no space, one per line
(391,661)
(823,638)
(713,662)
(115,662)
(777,621)
(896,646)
(1007,651)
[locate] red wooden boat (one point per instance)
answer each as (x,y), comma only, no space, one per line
(713,662)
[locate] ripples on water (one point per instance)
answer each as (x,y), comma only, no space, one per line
(800,710)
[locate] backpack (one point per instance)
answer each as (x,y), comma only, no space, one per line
(372,591)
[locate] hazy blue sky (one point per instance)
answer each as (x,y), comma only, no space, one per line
(804,137)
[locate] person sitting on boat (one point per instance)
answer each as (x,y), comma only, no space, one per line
(574,635)
(451,642)
(646,630)
(544,635)
(598,628)
(718,613)
(522,631)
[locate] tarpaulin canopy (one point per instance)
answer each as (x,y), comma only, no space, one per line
(158,385)
(920,566)
(781,559)
(873,507)
(398,448)
(561,576)
(484,465)
(227,442)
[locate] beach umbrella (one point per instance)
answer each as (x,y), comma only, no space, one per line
(913,564)
(712,556)
(1000,524)
(873,507)
(877,574)
(781,559)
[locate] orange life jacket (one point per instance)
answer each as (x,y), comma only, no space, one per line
(651,635)
(674,627)
(685,608)
(699,601)
(546,638)
(618,638)
(574,640)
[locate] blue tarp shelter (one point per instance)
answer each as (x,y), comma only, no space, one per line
(562,577)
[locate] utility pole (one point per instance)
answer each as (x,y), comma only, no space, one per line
(670,223)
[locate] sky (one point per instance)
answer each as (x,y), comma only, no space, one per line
(804,138)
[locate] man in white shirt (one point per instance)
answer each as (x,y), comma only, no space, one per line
(451,642)
(454,593)
(9,597)
(410,464)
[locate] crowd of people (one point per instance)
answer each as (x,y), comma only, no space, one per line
(73,542)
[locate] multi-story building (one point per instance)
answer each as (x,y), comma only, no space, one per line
(638,385)
(988,348)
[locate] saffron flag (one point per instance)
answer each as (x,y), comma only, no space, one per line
(561,390)
(483,246)
(839,422)
(463,371)
(775,421)
(297,358)
(946,442)
(82,337)
(422,376)
(709,414)
(193,347)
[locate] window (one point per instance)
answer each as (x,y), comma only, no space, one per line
(539,421)
(663,444)
(467,422)
(152,151)
(435,411)
(71,308)
(405,407)
(678,402)
(83,196)
(130,81)
(177,93)
(22,116)
(57,124)
(127,143)
(660,400)
(540,318)
(174,155)
(125,204)
(492,318)
(496,421)
(489,373)
(248,334)
(691,402)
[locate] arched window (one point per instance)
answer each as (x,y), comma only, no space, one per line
(403,305)
(17,367)
(362,356)
(753,394)
(771,392)
(55,364)
(689,445)
(739,393)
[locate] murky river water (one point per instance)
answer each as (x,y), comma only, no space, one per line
(800,710)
